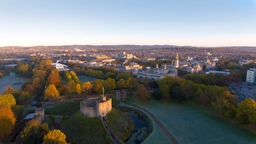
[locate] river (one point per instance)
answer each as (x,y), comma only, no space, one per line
(140,130)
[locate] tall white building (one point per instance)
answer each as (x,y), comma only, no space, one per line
(176,64)
(251,75)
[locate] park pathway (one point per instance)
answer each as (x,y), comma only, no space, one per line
(156,121)
(109,131)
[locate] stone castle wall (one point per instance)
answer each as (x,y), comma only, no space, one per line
(103,108)
(88,111)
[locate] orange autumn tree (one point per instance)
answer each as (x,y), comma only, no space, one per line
(7,121)
(142,93)
(51,93)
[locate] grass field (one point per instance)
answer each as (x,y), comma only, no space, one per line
(120,123)
(83,130)
(85,78)
(189,125)
(13,80)
(62,108)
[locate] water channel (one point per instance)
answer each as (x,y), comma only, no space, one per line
(140,130)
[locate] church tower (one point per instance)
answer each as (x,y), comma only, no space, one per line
(176,64)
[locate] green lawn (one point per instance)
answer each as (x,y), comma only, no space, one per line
(120,123)
(190,125)
(83,130)
(85,78)
(62,108)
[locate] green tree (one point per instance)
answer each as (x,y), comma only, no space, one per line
(71,86)
(124,76)
(110,85)
(177,93)
(7,121)
(221,104)
(110,75)
(98,85)
(157,94)
(74,76)
(51,93)
(18,111)
(211,92)
(247,110)
(201,98)
(24,96)
(33,132)
(121,84)
(165,90)
(22,69)
(55,137)
(232,65)
(189,90)
(67,76)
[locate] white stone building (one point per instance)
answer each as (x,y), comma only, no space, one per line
(157,73)
(251,75)
(60,67)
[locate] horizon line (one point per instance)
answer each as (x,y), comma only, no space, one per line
(123,45)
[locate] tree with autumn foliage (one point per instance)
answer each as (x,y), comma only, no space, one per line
(247,110)
(7,99)
(87,87)
(74,76)
(54,78)
(97,87)
(55,137)
(121,84)
(7,121)
(110,85)
(51,93)
(33,132)
(142,93)
(78,89)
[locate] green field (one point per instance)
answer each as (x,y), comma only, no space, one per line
(62,108)
(189,125)
(85,78)
(83,130)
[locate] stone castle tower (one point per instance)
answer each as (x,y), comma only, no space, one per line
(176,64)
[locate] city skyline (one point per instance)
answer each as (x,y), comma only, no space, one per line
(176,22)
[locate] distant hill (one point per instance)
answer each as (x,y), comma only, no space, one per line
(111,47)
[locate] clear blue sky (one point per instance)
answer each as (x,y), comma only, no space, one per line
(174,22)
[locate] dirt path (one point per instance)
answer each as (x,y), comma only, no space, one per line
(157,122)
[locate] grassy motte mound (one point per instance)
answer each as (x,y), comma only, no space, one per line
(121,123)
(80,129)
(62,108)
